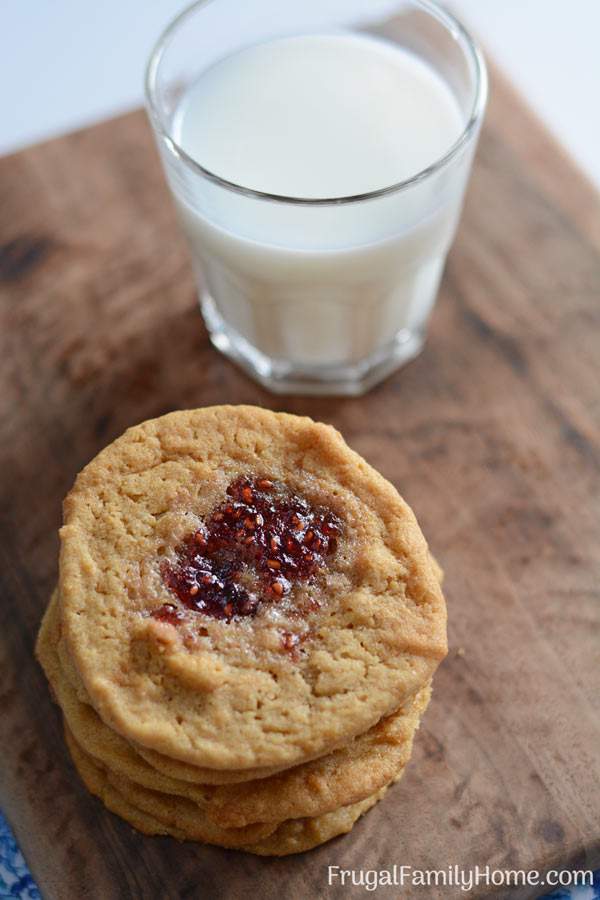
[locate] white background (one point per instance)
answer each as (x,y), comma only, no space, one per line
(66,63)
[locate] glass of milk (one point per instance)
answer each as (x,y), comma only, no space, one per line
(318,153)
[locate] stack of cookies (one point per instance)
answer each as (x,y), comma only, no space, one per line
(244,632)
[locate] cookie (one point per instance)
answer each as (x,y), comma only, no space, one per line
(240,591)
(292,836)
(179,817)
(174,768)
(300,835)
(75,703)
(348,775)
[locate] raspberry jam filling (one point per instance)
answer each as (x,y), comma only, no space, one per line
(254,548)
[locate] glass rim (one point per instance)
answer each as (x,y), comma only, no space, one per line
(458,31)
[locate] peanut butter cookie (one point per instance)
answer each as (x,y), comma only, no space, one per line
(240,590)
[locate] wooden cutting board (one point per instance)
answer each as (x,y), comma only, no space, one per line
(492,435)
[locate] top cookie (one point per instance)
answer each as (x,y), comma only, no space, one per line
(239,589)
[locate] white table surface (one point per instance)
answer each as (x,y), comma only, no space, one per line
(67,63)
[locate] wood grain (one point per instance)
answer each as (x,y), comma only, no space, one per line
(493,435)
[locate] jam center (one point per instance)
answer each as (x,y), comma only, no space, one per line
(254,547)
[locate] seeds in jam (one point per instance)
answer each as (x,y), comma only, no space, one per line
(253,549)
(168,612)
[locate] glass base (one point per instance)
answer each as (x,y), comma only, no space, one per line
(282,377)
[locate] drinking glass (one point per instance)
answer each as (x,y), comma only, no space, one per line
(322,295)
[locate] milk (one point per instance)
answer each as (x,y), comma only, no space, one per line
(318,116)
(319,286)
